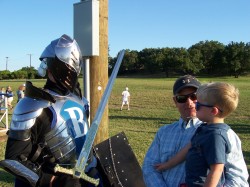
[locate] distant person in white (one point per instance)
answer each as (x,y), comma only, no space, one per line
(125,98)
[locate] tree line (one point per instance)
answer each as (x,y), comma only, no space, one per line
(209,58)
(24,73)
(206,58)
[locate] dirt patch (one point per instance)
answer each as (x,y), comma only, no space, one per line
(3,135)
(3,138)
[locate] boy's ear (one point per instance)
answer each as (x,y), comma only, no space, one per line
(215,111)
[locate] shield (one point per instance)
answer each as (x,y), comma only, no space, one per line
(117,163)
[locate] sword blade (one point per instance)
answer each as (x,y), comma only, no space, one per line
(17,169)
(83,157)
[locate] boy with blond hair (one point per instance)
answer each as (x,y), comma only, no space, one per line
(214,157)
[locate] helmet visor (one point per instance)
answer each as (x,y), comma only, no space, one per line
(63,73)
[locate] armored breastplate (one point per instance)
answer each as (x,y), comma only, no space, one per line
(68,129)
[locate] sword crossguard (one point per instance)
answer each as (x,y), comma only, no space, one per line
(76,174)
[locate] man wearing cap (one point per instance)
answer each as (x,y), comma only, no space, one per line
(171,138)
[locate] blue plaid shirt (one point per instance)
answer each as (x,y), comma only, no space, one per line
(169,140)
(235,168)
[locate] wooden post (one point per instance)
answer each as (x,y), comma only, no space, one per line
(99,73)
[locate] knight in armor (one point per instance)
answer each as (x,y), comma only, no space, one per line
(49,125)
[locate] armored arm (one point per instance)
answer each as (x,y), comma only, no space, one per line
(27,127)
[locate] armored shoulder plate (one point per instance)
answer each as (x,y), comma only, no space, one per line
(24,117)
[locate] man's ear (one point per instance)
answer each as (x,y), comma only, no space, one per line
(175,102)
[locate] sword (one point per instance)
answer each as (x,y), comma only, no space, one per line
(17,169)
(78,170)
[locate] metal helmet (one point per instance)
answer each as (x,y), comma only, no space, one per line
(63,58)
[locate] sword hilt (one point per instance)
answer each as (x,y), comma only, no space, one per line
(76,174)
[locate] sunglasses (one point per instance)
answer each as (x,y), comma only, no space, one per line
(199,105)
(184,98)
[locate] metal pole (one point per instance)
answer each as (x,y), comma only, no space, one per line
(7,63)
(6,113)
(30,59)
(86,81)
(29,70)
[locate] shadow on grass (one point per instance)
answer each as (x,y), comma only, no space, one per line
(138,118)
(6,177)
(247,160)
(241,128)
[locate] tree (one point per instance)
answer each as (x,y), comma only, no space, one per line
(152,59)
(6,74)
(31,72)
(20,74)
(166,61)
(177,61)
(209,49)
(238,57)
(130,62)
(195,56)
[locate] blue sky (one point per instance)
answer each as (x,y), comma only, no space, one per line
(28,26)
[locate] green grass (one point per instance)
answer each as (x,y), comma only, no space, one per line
(152,107)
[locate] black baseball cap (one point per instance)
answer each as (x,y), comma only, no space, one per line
(184,82)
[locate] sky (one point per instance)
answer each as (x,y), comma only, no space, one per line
(28,26)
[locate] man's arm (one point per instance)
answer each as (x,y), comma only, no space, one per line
(214,175)
(174,161)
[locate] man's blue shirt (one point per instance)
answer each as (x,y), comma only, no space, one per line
(169,140)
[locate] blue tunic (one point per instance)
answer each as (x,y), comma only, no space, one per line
(210,144)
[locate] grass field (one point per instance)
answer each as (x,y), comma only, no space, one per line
(152,107)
